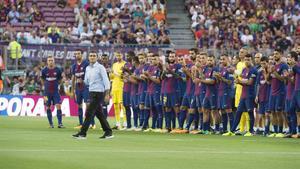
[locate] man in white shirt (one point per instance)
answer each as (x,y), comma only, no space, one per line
(33,38)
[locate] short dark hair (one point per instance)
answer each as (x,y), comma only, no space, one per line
(93,51)
(248,55)
(264,58)
(294,55)
(278,50)
(80,50)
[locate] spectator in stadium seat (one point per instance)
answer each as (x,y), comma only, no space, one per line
(75,31)
(61,3)
(53,27)
(94,15)
(30,86)
(25,16)
(22,38)
(104,41)
(86,35)
(247,38)
(37,16)
(72,3)
(20,4)
(138,13)
(283,43)
(54,36)
(16,86)
(4,10)
(45,39)
(66,36)
(13,15)
(159,16)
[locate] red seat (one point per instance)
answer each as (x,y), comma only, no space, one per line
(49,19)
(46,9)
(59,15)
(67,9)
(60,19)
(48,14)
(61,24)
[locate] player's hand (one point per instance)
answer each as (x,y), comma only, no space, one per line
(106,99)
(256,100)
(45,99)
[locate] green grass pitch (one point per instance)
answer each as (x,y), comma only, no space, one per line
(27,143)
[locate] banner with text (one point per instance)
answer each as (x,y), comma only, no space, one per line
(11,105)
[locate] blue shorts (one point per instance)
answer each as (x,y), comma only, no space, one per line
(153,100)
(134,100)
(186,100)
(224,102)
(210,102)
(276,103)
(53,99)
(288,105)
(170,100)
(126,98)
(246,105)
(194,104)
(262,107)
(142,97)
(82,95)
(295,105)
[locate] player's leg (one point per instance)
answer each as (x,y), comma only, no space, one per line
(159,111)
(261,111)
(79,100)
(126,103)
(191,113)
(183,111)
(297,99)
(57,103)
(121,103)
(135,109)
(90,112)
(147,109)
(48,100)
(280,114)
(241,108)
(206,115)
(215,113)
(117,109)
(272,116)
(250,110)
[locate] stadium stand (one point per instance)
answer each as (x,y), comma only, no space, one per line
(234,24)
(117,22)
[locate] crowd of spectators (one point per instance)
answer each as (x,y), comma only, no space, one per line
(259,24)
(96,22)
(30,82)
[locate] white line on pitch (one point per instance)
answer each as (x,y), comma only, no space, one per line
(153,151)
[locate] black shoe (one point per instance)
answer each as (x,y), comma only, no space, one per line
(51,126)
(61,126)
(107,136)
(79,136)
(115,128)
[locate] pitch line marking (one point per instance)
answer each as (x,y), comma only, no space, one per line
(151,151)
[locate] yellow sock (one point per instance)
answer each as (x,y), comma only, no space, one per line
(117,114)
(243,122)
(247,122)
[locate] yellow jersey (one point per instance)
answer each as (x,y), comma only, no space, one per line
(115,76)
(238,91)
